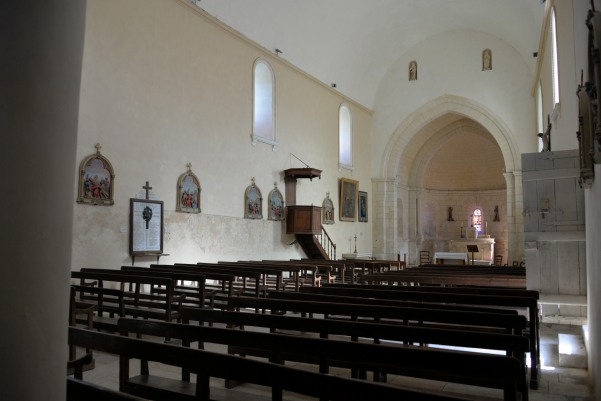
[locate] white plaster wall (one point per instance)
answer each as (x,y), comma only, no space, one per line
(450,64)
(163,85)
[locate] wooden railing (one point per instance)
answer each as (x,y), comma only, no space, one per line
(327,244)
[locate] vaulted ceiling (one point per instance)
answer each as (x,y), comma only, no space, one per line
(354,42)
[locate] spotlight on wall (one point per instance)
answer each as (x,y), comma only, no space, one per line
(333,84)
(535,54)
(278,52)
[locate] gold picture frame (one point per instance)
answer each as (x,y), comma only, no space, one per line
(348,199)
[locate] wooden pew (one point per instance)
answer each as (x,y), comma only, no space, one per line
(476,296)
(300,274)
(210,364)
(501,322)
(218,292)
(194,293)
(78,390)
(407,277)
(514,345)
(109,306)
(137,303)
(251,282)
(485,370)
(340,271)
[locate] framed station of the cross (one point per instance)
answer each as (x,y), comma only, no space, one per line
(145,227)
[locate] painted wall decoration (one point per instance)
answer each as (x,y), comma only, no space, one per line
(253,202)
(96,180)
(362,208)
(188,192)
(327,210)
(276,204)
(348,199)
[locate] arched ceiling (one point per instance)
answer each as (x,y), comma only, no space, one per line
(354,42)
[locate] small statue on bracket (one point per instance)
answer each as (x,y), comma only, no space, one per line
(546,136)
(450,214)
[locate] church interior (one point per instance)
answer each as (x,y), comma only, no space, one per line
(384,130)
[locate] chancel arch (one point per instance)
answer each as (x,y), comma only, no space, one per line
(448,127)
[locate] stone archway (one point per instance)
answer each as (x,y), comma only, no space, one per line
(400,168)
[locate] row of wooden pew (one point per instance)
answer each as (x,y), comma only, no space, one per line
(394,317)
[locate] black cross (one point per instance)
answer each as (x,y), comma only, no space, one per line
(147,188)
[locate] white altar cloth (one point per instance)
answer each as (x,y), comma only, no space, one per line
(451,255)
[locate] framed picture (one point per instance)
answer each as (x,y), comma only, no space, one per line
(276,204)
(96,180)
(327,210)
(362,206)
(145,226)
(348,199)
(188,192)
(253,202)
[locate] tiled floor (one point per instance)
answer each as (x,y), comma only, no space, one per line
(555,384)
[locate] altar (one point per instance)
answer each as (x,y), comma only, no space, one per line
(486,249)
(457,258)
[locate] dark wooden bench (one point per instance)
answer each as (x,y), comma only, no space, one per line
(138,303)
(194,291)
(485,370)
(408,277)
(219,287)
(208,365)
(248,282)
(513,345)
(79,390)
(109,305)
(521,299)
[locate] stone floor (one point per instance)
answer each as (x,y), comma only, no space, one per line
(555,384)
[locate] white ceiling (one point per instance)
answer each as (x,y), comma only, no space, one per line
(354,42)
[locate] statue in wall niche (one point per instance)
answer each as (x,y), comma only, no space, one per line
(496,218)
(413,71)
(486,60)
(450,214)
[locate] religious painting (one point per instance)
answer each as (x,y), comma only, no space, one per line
(327,210)
(145,226)
(188,192)
(96,180)
(348,199)
(253,202)
(362,208)
(276,204)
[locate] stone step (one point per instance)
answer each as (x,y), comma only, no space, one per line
(572,352)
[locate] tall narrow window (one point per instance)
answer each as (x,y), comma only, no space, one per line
(345,137)
(555,70)
(477,220)
(539,115)
(263,103)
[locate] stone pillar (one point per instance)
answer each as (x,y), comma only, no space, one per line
(40,72)
(515,219)
(415,235)
(384,221)
(518,213)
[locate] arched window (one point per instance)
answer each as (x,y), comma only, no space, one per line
(539,115)
(345,137)
(555,69)
(263,103)
(477,220)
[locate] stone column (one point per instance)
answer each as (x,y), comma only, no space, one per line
(384,220)
(515,220)
(40,72)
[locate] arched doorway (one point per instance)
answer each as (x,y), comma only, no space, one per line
(421,152)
